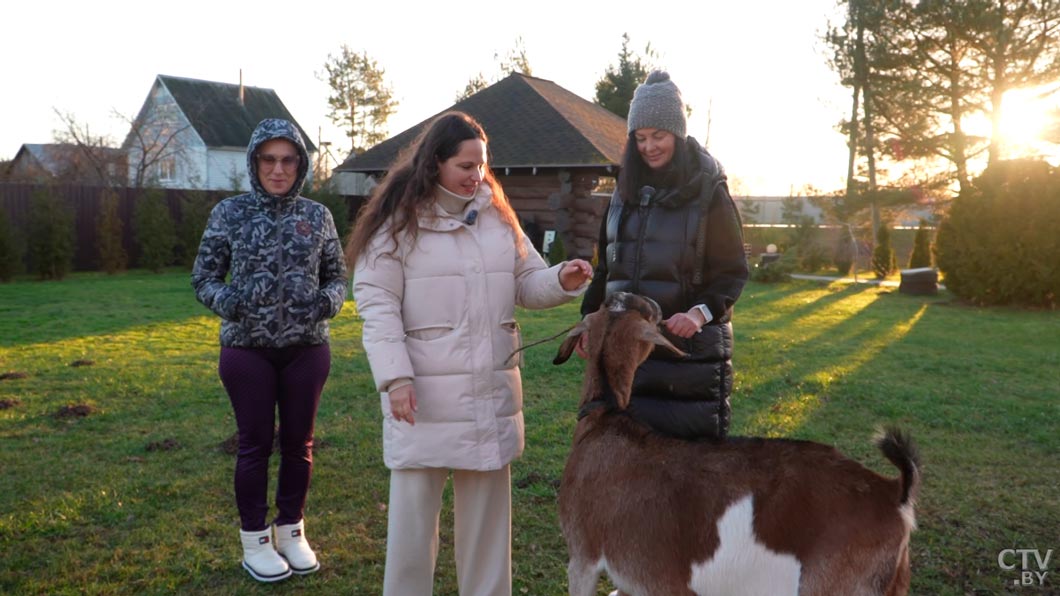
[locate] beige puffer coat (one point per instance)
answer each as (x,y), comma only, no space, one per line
(442,312)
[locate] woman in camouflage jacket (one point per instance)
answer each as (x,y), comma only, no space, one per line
(288,277)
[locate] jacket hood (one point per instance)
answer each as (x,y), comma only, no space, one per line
(267,130)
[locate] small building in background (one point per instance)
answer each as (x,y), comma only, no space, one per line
(548,148)
(68,163)
(192,133)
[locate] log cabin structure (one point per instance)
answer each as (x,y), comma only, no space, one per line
(548,148)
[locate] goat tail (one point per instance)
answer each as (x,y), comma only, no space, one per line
(901,450)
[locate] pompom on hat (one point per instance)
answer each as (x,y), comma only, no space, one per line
(657,103)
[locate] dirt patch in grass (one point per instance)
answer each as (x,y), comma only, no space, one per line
(10,376)
(74,411)
(9,402)
(163,445)
(82,362)
(538,478)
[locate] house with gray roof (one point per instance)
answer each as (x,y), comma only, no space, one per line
(192,133)
(548,148)
(67,163)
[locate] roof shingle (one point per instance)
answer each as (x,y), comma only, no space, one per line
(216,114)
(530,122)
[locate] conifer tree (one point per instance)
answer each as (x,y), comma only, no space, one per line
(883,261)
(112,255)
(921,256)
(51,235)
(12,249)
(153,229)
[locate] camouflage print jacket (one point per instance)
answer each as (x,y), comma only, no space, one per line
(288,273)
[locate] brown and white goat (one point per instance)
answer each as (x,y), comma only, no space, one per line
(740,516)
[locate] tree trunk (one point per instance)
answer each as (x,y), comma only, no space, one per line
(959,145)
(998,85)
(860,67)
(852,144)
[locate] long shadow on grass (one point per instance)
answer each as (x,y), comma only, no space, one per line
(797,359)
(784,303)
(974,387)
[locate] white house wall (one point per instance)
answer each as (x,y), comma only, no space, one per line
(194,165)
(162,122)
(227,169)
(352,183)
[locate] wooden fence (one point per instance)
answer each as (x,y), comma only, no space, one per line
(16,200)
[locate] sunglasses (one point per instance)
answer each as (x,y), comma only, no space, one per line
(287,162)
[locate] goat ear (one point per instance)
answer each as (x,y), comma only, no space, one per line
(651,333)
(567,347)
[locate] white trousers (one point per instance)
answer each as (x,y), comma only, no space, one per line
(482,511)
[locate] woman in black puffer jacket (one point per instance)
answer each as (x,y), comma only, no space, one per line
(672,233)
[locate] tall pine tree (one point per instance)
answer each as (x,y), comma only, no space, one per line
(361,101)
(615,89)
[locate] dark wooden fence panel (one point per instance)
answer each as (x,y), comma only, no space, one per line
(83,201)
(528,195)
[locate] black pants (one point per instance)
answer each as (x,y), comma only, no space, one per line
(260,381)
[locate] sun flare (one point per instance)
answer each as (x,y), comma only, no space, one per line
(1027,115)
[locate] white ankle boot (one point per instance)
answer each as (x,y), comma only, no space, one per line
(292,545)
(260,559)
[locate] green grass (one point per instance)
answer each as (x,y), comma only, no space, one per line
(87,506)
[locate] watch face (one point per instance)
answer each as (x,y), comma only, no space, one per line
(706,313)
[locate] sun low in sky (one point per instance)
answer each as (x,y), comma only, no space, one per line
(758,78)
(762,96)
(1027,116)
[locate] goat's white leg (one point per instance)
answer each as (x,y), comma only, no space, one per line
(582,577)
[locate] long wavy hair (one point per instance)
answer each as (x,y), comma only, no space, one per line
(634,173)
(409,185)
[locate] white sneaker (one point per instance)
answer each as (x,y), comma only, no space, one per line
(292,545)
(260,558)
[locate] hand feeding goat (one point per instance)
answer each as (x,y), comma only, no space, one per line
(743,516)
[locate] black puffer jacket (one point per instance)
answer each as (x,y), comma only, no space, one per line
(648,247)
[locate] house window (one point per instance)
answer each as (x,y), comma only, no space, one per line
(167,169)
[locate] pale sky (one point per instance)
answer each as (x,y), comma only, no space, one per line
(756,67)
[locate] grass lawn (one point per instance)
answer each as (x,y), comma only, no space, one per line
(116,480)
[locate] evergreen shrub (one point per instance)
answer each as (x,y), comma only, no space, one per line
(195,207)
(921,255)
(154,231)
(883,260)
(999,243)
(51,234)
(12,249)
(112,255)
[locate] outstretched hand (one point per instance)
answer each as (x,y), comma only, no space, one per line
(575,273)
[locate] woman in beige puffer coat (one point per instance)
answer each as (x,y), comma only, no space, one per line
(441,264)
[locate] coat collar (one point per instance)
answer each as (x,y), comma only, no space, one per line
(434,217)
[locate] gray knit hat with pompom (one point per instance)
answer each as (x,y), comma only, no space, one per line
(657,104)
